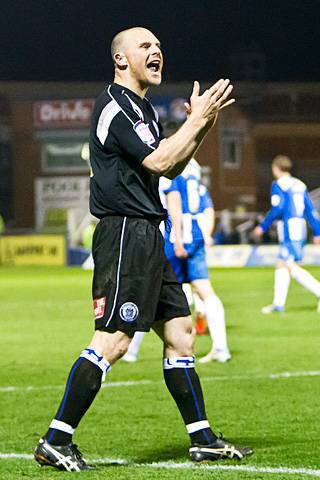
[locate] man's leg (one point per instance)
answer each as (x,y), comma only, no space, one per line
(216,321)
(199,309)
(198,304)
(200,314)
(184,385)
(83,384)
(181,378)
(281,287)
(306,280)
(186,287)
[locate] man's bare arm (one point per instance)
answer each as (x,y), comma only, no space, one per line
(210,216)
(174,205)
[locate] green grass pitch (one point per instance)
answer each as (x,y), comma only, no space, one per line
(46,320)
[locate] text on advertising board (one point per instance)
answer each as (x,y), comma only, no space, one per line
(62,113)
(32,250)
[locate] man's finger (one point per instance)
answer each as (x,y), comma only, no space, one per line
(213,89)
(226,94)
(196,89)
(187,107)
(229,102)
(217,100)
(223,91)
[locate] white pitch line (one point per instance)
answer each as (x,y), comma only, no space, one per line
(129,383)
(137,383)
(186,465)
(237,468)
(22,456)
(270,376)
(30,388)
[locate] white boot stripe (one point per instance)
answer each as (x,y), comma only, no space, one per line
(62,460)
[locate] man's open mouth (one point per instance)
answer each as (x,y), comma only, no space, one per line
(154,66)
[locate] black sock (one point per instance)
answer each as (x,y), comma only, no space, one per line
(83,384)
(184,385)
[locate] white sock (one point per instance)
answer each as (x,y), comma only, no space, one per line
(135,343)
(186,287)
(306,280)
(281,286)
(215,318)
(198,304)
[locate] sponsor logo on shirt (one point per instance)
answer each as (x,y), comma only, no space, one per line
(143,132)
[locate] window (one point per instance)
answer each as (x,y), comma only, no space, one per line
(63,157)
(231,147)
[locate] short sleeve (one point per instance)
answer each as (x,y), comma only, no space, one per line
(173,187)
(205,199)
(135,140)
(276,199)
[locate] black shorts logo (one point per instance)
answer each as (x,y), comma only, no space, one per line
(129,312)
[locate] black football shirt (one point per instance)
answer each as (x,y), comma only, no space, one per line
(125,129)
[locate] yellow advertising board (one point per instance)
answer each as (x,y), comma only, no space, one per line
(32,250)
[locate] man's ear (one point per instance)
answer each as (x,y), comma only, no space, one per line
(120,60)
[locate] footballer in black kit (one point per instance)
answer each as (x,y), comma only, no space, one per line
(134,287)
(133,283)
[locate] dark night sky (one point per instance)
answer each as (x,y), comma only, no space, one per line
(69,39)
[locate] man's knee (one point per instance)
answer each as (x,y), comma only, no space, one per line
(188,340)
(180,338)
(203,288)
(112,346)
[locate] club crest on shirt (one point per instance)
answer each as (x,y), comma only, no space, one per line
(144,133)
(129,312)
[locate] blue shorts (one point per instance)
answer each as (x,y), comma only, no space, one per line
(291,251)
(194,267)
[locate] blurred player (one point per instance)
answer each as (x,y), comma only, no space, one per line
(290,205)
(209,213)
(185,247)
(208,210)
(134,287)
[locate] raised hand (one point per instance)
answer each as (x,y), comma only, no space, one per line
(215,98)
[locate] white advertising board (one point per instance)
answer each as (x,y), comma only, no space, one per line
(71,193)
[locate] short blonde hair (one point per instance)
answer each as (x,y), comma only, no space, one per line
(283,162)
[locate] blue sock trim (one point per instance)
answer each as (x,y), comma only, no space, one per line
(196,403)
(193,394)
(59,414)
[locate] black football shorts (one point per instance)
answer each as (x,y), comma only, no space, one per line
(133,282)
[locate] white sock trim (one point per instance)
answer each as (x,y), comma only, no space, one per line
(196,426)
(94,357)
(64,427)
(178,362)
